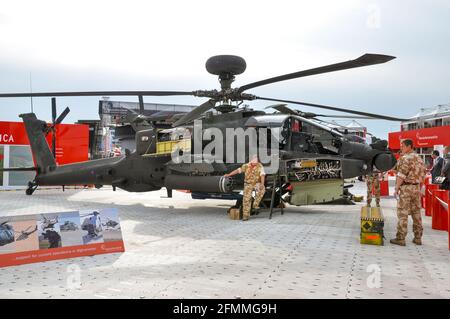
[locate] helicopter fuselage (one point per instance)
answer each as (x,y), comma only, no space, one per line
(149,168)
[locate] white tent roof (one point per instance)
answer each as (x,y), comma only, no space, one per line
(432,112)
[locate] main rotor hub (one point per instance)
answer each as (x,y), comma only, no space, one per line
(226,67)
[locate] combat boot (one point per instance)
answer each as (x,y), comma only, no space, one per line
(396,241)
(417,241)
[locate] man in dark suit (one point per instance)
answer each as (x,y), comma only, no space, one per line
(438,163)
(446,169)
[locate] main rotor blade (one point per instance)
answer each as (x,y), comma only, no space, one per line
(346,117)
(286,110)
(98,93)
(195,113)
(62,116)
(283,109)
(377,116)
(364,60)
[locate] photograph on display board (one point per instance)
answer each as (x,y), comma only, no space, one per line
(70,226)
(111,225)
(49,231)
(91,226)
(7,236)
(26,234)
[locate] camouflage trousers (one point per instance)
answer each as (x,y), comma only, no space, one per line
(409,204)
(247,200)
(373,182)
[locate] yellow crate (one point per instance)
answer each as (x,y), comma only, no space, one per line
(170,146)
(372,226)
(308,163)
(372,239)
(372,213)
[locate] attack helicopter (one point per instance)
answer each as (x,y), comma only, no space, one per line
(313,159)
(25,234)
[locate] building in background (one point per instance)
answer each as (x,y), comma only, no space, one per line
(95,137)
(71,146)
(429,130)
(353,130)
(114,130)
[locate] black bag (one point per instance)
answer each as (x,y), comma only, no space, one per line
(443,182)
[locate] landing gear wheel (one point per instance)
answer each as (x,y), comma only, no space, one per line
(31,188)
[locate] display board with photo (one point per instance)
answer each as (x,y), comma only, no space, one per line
(7,234)
(112,230)
(55,232)
(70,226)
(49,231)
(91,226)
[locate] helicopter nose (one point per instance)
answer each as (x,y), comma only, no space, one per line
(383,162)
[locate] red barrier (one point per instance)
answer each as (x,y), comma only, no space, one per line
(428,198)
(423,195)
(384,188)
(439,216)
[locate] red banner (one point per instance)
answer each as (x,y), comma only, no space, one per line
(35,256)
(426,137)
(72,140)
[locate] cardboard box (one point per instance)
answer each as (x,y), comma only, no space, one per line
(234,213)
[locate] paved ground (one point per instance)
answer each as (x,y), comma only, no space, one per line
(181,248)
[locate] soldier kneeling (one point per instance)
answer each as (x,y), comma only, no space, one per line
(254,180)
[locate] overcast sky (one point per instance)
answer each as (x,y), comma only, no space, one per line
(163,45)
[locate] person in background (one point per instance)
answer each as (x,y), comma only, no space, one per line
(438,164)
(116,151)
(446,169)
(373,181)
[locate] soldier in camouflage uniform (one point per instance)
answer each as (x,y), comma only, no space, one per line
(373,181)
(410,173)
(254,180)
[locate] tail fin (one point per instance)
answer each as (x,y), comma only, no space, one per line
(39,147)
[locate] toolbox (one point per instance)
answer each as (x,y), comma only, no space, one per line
(372,226)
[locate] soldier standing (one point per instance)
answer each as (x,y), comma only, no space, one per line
(410,173)
(373,181)
(254,180)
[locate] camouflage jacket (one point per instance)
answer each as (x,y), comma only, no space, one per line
(411,168)
(252,174)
